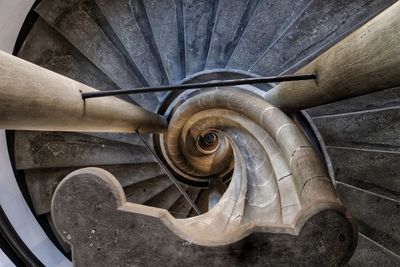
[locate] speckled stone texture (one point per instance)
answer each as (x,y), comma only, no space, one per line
(90,212)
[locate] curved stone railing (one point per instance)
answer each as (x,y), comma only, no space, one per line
(278,185)
(284,174)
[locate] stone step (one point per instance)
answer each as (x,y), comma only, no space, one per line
(375,101)
(181,208)
(375,171)
(370,253)
(199,18)
(45,47)
(41,183)
(371,129)
(167,198)
(231,21)
(142,192)
(132,139)
(201,202)
(273,17)
(61,149)
(320,26)
(129,21)
(377,216)
(72,19)
(166,21)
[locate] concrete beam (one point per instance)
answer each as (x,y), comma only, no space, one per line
(367,60)
(33,98)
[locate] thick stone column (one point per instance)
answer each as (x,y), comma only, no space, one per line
(367,60)
(33,98)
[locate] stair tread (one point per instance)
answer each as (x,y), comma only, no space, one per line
(181,208)
(142,192)
(129,21)
(165,17)
(372,129)
(45,47)
(231,20)
(199,18)
(202,201)
(369,253)
(62,149)
(319,27)
(271,16)
(81,30)
(378,100)
(377,216)
(126,138)
(41,183)
(166,199)
(374,171)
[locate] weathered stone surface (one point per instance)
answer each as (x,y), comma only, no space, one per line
(378,217)
(369,253)
(128,138)
(129,21)
(166,198)
(181,208)
(375,171)
(223,74)
(166,20)
(41,183)
(375,101)
(321,25)
(199,19)
(142,192)
(61,149)
(45,47)
(364,62)
(371,129)
(269,22)
(90,212)
(231,21)
(72,20)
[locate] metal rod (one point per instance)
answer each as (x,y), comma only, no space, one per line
(170,175)
(284,78)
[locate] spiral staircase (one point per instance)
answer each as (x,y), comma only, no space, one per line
(111,45)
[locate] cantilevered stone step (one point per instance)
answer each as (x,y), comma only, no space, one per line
(41,183)
(129,21)
(375,101)
(181,208)
(371,129)
(45,47)
(270,20)
(199,18)
(375,171)
(132,138)
(201,202)
(61,149)
(377,216)
(230,23)
(370,253)
(166,20)
(144,191)
(76,25)
(320,26)
(166,198)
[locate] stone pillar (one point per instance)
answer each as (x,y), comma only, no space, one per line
(367,60)
(33,98)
